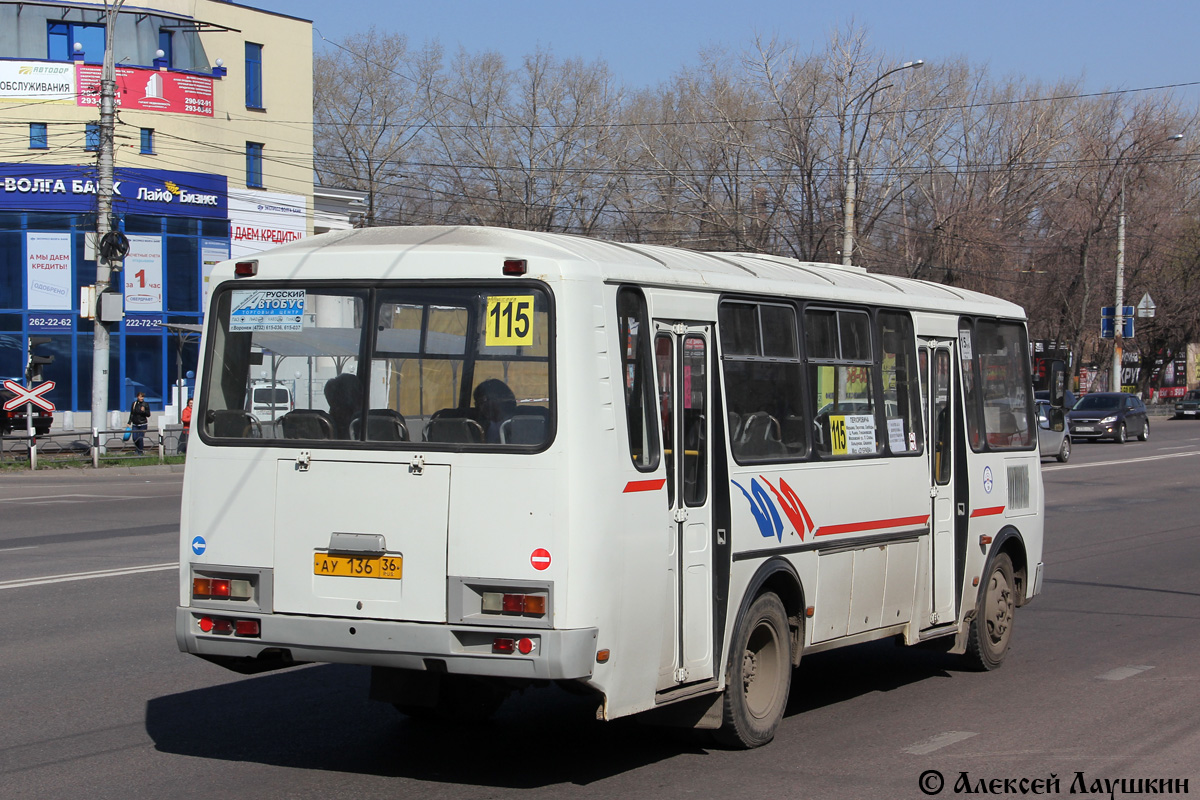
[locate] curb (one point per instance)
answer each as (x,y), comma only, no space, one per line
(83,470)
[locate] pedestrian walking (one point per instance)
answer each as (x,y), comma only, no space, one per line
(139,420)
(186,419)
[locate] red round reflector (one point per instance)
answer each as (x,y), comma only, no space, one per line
(525,646)
(206,624)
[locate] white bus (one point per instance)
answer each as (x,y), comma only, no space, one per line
(656,474)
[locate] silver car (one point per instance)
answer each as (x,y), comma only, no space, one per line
(1053,437)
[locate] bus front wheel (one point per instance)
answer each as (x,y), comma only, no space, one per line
(991,630)
(758,676)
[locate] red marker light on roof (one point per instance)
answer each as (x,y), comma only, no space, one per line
(245,269)
(514,267)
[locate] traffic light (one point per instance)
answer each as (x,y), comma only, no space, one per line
(33,372)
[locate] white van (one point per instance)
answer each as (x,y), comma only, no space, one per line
(268,401)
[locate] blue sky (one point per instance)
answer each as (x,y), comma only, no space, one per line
(1109,44)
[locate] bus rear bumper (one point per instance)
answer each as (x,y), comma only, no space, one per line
(286,640)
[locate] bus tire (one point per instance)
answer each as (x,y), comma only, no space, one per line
(758,676)
(991,629)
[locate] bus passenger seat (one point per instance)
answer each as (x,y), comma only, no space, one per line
(760,436)
(523,429)
(458,430)
(792,430)
(735,426)
(233,424)
(306,423)
(383,425)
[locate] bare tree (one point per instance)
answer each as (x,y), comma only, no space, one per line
(369,112)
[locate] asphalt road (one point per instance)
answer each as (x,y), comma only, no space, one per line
(1103,679)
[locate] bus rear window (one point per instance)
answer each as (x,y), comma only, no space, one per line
(460,366)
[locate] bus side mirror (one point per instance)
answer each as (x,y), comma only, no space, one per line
(1058,383)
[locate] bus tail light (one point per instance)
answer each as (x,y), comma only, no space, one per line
(246,627)
(503,644)
(245,269)
(206,588)
(515,266)
(514,604)
(250,628)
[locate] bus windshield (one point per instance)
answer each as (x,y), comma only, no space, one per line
(462,366)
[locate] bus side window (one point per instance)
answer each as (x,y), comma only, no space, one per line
(900,390)
(637,379)
(841,375)
(760,354)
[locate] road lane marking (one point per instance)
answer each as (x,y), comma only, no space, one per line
(85,576)
(1121,461)
(48,499)
(938,742)
(14,549)
(1121,673)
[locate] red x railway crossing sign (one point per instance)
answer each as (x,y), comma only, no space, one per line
(23,395)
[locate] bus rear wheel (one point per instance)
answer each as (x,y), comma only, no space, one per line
(991,630)
(758,676)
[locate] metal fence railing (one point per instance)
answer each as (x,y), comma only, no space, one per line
(92,447)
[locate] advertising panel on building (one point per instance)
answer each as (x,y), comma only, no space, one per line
(177,225)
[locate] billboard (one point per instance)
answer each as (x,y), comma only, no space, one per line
(261,220)
(48,271)
(144,89)
(40,81)
(72,189)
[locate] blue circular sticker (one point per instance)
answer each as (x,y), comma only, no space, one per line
(198,545)
(987,480)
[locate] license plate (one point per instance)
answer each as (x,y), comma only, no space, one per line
(1085,429)
(1191,412)
(358,566)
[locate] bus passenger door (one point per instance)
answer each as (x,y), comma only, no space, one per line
(682,355)
(937,359)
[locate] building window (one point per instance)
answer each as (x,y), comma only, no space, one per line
(91,137)
(254,88)
(62,37)
(37,136)
(164,44)
(254,165)
(148,141)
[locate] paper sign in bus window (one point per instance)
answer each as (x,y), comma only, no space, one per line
(896,434)
(267,310)
(852,434)
(509,321)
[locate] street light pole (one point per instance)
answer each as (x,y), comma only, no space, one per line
(1118,317)
(848,202)
(104,193)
